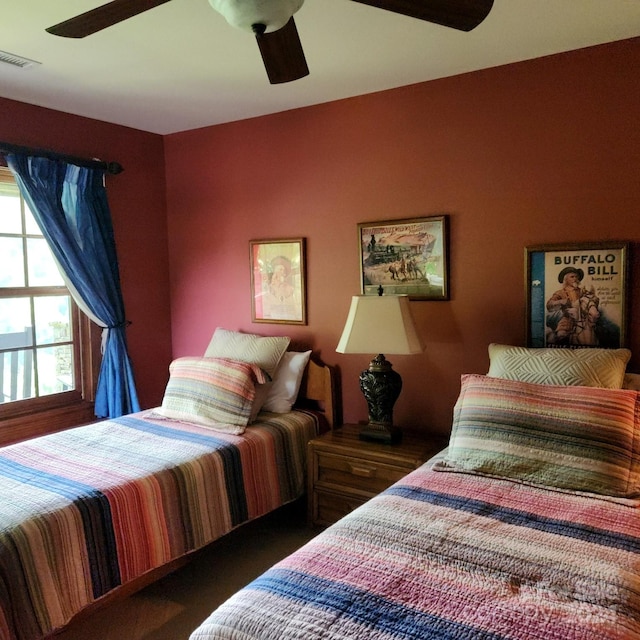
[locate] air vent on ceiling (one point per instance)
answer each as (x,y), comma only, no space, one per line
(16,61)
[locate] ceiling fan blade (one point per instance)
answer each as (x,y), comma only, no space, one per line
(463,15)
(282,53)
(102,17)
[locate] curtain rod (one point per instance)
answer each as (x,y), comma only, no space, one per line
(110,167)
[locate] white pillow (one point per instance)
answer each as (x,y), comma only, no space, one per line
(265,351)
(286,382)
(567,367)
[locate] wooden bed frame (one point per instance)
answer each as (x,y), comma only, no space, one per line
(319,386)
(317,390)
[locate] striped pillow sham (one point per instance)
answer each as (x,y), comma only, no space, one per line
(568,437)
(211,391)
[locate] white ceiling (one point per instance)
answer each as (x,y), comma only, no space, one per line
(180,66)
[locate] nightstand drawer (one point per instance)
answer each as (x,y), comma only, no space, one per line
(345,471)
(365,476)
(330,507)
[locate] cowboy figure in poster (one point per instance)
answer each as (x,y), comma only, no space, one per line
(573,311)
(586,310)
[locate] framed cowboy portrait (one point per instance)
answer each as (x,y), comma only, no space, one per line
(577,295)
(278,281)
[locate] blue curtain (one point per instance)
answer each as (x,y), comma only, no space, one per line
(70,206)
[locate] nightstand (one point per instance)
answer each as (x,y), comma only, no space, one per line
(344,471)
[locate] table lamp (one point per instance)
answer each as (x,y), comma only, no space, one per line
(380,324)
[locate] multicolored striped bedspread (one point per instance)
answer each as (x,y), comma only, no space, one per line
(86,510)
(452,556)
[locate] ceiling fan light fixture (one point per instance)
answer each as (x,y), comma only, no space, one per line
(244,14)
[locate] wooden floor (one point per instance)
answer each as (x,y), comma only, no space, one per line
(173,607)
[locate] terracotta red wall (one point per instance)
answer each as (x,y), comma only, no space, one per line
(138,207)
(537,152)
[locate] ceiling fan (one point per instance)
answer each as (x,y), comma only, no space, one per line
(272,23)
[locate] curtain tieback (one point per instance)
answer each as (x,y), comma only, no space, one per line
(105,332)
(121,325)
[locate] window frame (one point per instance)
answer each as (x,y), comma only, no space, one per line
(21,419)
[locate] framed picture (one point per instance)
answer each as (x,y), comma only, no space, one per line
(577,295)
(405,257)
(278,281)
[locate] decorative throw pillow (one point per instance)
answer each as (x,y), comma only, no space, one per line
(286,382)
(581,367)
(264,351)
(577,438)
(211,391)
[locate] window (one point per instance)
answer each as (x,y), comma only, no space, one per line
(46,351)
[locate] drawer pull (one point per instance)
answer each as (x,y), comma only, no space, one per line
(363,472)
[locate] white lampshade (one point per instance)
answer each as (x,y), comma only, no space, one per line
(274,14)
(380,324)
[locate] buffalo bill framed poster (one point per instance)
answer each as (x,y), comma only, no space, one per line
(577,295)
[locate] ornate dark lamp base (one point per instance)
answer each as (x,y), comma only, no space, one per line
(381,386)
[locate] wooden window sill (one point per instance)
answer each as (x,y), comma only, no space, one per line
(48,420)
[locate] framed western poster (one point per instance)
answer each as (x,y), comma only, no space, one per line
(405,257)
(577,295)
(278,281)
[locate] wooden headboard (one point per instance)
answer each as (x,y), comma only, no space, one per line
(319,385)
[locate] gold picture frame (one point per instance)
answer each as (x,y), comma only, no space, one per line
(576,295)
(408,256)
(278,281)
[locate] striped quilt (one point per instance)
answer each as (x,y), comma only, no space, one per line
(86,510)
(445,555)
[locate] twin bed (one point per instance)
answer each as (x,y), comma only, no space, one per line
(95,512)
(526,527)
